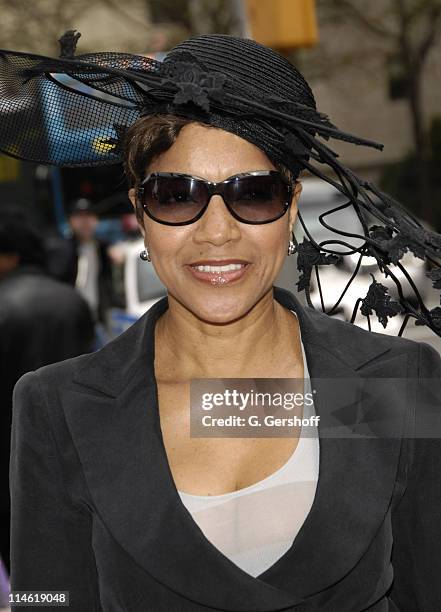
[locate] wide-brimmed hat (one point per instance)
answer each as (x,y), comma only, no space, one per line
(76,110)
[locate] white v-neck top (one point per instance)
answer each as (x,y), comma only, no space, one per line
(256,525)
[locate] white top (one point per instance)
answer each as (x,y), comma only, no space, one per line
(87,275)
(256,525)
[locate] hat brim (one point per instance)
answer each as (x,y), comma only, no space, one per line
(66,112)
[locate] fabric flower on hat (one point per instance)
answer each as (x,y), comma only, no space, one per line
(194,84)
(308,257)
(378,300)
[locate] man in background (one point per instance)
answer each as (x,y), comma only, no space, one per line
(82,261)
(42,321)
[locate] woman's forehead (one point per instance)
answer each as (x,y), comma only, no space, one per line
(212,153)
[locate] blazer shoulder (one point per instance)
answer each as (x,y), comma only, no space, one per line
(429,361)
(329,324)
(352,338)
(59,373)
(36,394)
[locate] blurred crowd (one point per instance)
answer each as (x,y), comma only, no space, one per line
(54,293)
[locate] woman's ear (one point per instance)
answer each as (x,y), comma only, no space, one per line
(138,211)
(293,208)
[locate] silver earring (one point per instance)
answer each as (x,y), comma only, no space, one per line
(291,248)
(144,255)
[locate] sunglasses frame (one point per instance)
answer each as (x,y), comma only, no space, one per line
(216,189)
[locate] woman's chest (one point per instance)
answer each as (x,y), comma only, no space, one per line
(214,465)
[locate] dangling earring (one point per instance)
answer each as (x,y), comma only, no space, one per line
(144,255)
(291,246)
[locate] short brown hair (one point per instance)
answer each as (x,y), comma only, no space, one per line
(150,136)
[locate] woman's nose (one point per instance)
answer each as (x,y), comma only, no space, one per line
(217,223)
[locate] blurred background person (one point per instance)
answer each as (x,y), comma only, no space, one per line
(42,321)
(82,260)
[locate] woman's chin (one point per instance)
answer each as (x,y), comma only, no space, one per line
(221,308)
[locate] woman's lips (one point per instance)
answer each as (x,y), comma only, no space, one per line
(219,278)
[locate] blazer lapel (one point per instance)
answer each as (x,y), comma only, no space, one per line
(111,409)
(356,474)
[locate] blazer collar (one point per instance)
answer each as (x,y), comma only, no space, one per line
(112,412)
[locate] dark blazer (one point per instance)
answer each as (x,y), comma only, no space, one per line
(96,511)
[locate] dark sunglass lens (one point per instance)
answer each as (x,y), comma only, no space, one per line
(258,198)
(173,199)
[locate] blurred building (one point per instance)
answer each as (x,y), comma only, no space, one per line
(358,81)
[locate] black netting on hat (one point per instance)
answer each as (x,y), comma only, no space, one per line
(74,111)
(64,117)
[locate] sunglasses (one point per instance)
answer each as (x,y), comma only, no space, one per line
(255,197)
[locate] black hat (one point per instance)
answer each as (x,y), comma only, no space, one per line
(75,111)
(81,205)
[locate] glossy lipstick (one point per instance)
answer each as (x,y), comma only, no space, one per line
(219,272)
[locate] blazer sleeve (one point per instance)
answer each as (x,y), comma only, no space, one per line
(416,522)
(50,536)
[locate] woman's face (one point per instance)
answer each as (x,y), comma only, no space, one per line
(215,155)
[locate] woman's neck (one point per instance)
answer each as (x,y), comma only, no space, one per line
(263,343)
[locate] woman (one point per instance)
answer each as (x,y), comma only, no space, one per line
(110,491)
